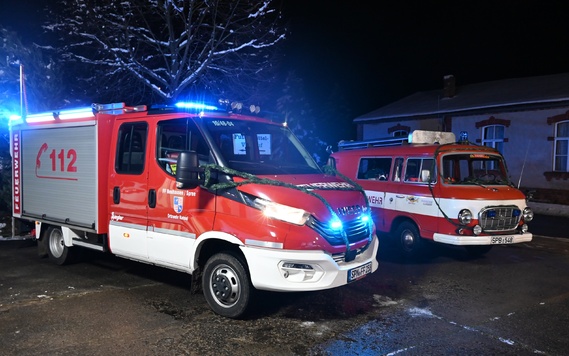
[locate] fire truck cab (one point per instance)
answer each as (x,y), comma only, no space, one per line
(234,200)
(433,188)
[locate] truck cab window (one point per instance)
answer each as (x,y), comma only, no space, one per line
(131,147)
(175,136)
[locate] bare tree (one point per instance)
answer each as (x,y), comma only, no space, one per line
(167,48)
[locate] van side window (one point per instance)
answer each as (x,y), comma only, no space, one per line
(175,136)
(419,170)
(397,170)
(374,168)
(131,147)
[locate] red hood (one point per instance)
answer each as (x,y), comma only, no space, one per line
(311,183)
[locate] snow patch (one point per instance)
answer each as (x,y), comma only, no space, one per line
(506,341)
(383,301)
(421,312)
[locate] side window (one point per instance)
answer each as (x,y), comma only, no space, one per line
(397,170)
(493,136)
(419,170)
(561,158)
(131,147)
(175,136)
(374,168)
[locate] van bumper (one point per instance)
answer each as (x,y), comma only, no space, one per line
(483,240)
(296,271)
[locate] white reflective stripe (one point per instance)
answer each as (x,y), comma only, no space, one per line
(267,244)
(426,205)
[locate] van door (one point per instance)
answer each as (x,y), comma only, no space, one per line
(128,207)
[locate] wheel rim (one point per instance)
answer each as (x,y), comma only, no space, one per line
(56,245)
(407,240)
(225,286)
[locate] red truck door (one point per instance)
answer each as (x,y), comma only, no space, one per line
(176,217)
(128,185)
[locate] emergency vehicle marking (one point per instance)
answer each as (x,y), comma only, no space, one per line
(178,204)
(327,185)
(178,217)
(222,123)
(61,157)
(375,198)
(178,192)
(16,173)
(115,217)
(412,200)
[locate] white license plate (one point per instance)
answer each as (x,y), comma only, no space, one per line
(497,240)
(359,272)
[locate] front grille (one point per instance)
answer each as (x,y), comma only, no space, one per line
(499,218)
(355,230)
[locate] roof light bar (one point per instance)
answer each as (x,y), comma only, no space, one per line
(192,105)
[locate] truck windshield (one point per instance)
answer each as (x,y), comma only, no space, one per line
(260,148)
(474,169)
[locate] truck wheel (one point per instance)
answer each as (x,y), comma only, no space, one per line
(226,285)
(477,250)
(56,249)
(410,242)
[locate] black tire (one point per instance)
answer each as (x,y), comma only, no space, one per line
(226,285)
(56,249)
(409,241)
(477,250)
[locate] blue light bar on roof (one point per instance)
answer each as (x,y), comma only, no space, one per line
(81,113)
(198,106)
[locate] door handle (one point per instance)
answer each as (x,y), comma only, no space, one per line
(152,198)
(116,195)
(400,196)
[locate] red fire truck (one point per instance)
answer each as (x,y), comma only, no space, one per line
(234,200)
(433,188)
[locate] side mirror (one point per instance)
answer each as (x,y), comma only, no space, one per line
(188,171)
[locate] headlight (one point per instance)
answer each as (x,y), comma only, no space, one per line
(528,214)
(465,216)
(281,212)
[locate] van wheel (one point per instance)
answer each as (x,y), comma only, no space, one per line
(477,250)
(226,285)
(410,242)
(56,249)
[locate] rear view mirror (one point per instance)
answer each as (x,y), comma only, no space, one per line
(188,172)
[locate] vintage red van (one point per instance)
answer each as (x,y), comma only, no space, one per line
(433,188)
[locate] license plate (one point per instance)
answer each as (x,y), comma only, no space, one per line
(497,240)
(359,272)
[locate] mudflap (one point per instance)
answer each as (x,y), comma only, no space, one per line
(196,283)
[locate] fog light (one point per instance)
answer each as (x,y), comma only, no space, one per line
(477,230)
(299,272)
(524,228)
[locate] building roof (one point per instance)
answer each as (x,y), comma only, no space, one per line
(494,96)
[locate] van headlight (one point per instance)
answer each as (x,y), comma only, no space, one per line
(528,214)
(465,216)
(281,212)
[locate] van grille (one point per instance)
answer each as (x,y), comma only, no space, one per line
(499,218)
(356,230)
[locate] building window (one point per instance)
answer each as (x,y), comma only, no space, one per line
(561,158)
(493,136)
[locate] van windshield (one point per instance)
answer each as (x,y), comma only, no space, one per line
(260,148)
(474,169)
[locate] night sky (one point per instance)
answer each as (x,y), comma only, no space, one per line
(392,49)
(377,52)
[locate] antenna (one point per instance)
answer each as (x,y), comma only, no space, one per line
(524,164)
